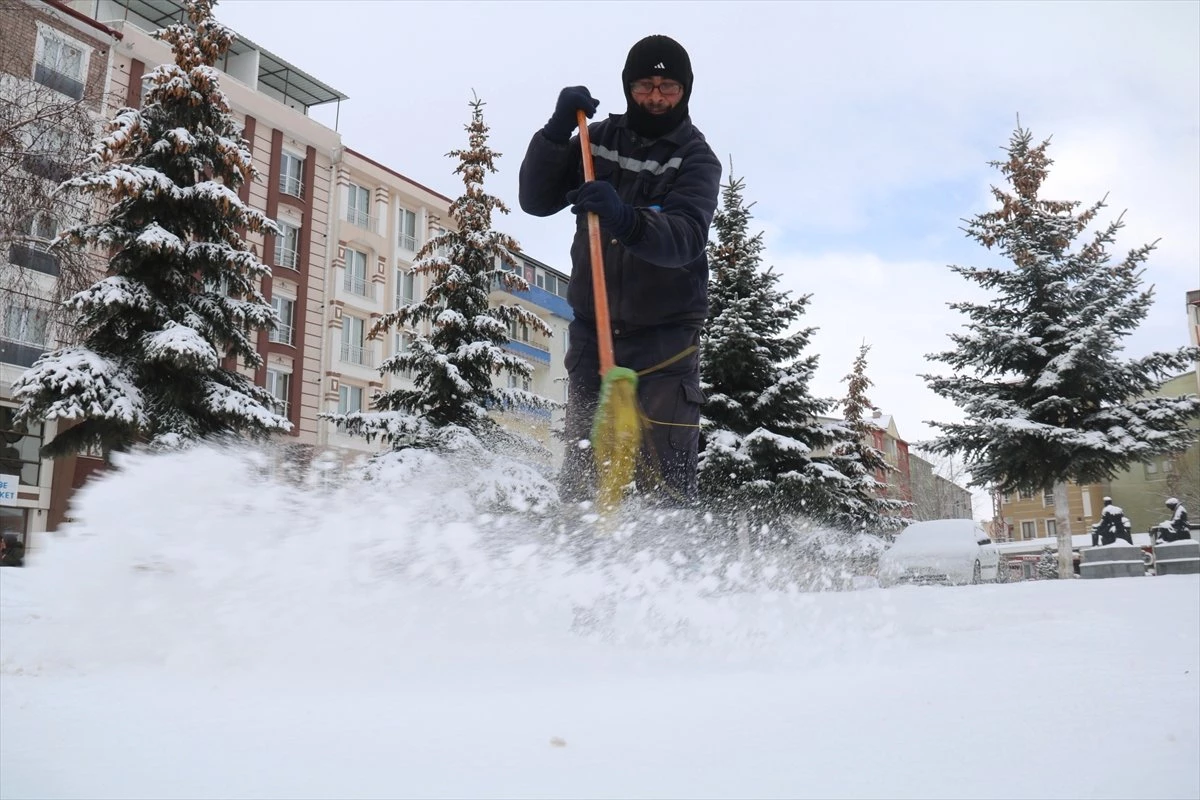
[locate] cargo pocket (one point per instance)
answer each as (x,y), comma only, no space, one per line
(685,433)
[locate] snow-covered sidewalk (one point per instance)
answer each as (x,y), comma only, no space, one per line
(161,660)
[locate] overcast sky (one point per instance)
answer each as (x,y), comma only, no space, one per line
(862,131)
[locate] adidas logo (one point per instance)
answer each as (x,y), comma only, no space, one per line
(659,65)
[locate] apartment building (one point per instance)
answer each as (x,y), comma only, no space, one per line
(886,439)
(382,221)
(350,228)
(1031,515)
(54,70)
(546,297)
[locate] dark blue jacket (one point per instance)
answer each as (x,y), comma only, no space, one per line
(658,273)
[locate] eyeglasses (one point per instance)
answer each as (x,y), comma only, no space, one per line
(666,88)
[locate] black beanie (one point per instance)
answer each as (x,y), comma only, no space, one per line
(665,57)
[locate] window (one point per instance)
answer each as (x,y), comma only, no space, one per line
(287,246)
(61,63)
(1029,529)
(19,449)
(1052,527)
(354,350)
(285,308)
(349,399)
(403,344)
(1149,469)
(26,325)
(406,287)
(35,255)
(356,274)
(515,380)
(1048,498)
(291,175)
(279,384)
(406,224)
(441,250)
(358,206)
(518,331)
(1024,494)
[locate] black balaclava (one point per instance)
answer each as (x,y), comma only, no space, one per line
(665,57)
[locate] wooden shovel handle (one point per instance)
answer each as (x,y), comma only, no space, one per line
(599,291)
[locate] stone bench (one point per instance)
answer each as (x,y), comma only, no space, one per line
(1177,558)
(1118,560)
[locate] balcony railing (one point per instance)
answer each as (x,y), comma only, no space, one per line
(34,258)
(408,243)
(282,335)
(405,300)
(356,216)
(51,78)
(290,184)
(45,165)
(286,257)
(359,286)
(357,354)
(21,354)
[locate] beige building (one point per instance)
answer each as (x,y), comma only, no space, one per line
(350,228)
(1029,515)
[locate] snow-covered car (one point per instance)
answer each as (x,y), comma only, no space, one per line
(952,551)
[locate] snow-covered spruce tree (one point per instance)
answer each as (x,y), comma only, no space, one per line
(1037,372)
(453,367)
(867,507)
(760,427)
(181,296)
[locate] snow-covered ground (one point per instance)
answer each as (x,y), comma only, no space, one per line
(204,632)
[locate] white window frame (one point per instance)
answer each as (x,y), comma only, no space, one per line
(355,348)
(285,255)
(1048,498)
(346,394)
(406,287)
(1028,529)
(291,184)
(274,377)
(27,325)
(355,281)
(286,332)
(402,342)
(406,230)
(1051,526)
(46,34)
(354,214)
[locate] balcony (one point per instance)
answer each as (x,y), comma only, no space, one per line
(362,219)
(291,185)
(51,78)
(45,165)
(408,243)
(287,257)
(282,335)
(22,354)
(359,286)
(357,354)
(34,258)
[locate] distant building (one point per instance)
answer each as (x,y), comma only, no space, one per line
(350,230)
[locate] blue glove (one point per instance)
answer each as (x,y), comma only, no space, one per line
(563,122)
(599,197)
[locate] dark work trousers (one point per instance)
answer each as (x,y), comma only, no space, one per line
(668,395)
